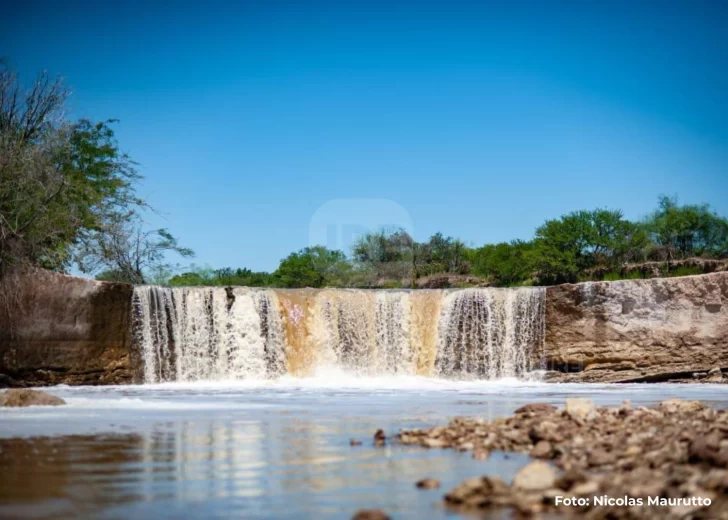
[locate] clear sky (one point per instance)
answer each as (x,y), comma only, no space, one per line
(479,119)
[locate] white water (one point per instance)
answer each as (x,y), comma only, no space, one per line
(212,334)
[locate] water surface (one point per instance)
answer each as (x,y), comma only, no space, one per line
(262,449)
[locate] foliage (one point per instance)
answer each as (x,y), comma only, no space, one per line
(685,231)
(313,267)
(507,263)
(64,186)
(124,248)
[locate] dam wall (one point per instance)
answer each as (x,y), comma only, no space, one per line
(64,329)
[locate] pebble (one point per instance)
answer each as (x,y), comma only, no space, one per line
(428,483)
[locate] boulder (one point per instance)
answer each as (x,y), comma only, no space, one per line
(21,397)
(536,476)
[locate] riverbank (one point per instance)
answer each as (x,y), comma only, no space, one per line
(668,461)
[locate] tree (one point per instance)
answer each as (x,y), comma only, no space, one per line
(507,263)
(688,230)
(313,267)
(123,247)
(59,181)
(385,254)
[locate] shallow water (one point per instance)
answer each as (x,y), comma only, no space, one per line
(262,449)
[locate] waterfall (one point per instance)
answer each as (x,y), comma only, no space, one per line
(214,333)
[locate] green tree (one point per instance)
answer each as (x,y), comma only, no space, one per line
(313,267)
(506,263)
(689,230)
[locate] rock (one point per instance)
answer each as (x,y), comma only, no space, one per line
(428,483)
(379,438)
(589,487)
(18,397)
(67,330)
(646,322)
(481,454)
(536,408)
(599,457)
(545,431)
(370,514)
(434,443)
(542,450)
(354,442)
(680,406)
(535,476)
(580,409)
(714,376)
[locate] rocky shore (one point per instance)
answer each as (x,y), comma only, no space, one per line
(664,462)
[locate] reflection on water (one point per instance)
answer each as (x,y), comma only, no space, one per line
(268,450)
(275,470)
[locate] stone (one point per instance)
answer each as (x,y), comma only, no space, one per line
(580,409)
(714,371)
(379,438)
(600,457)
(428,483)
(588,326)
(354,442)
(679,406)
(536,408)
(536,476)
(17,397)
(542,450)
(481,454)
(589,487)
(434,443)
(370,514)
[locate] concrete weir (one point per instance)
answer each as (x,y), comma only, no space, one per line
(71,330)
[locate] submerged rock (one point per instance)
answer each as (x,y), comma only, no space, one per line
(428,483)
(370,514)
(21,397)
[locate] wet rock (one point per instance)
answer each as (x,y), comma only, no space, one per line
(354,442)
(370,514)
(428,483)
(481,454)
(434,443)
(536,408)
(25,397)
(536,476)
(379,438)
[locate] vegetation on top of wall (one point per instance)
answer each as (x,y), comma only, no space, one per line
(674,240)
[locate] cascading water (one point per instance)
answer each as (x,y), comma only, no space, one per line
(203,333)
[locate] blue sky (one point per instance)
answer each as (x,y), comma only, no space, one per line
(478,119)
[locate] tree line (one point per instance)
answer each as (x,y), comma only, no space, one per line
(67,191)
(583,245)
